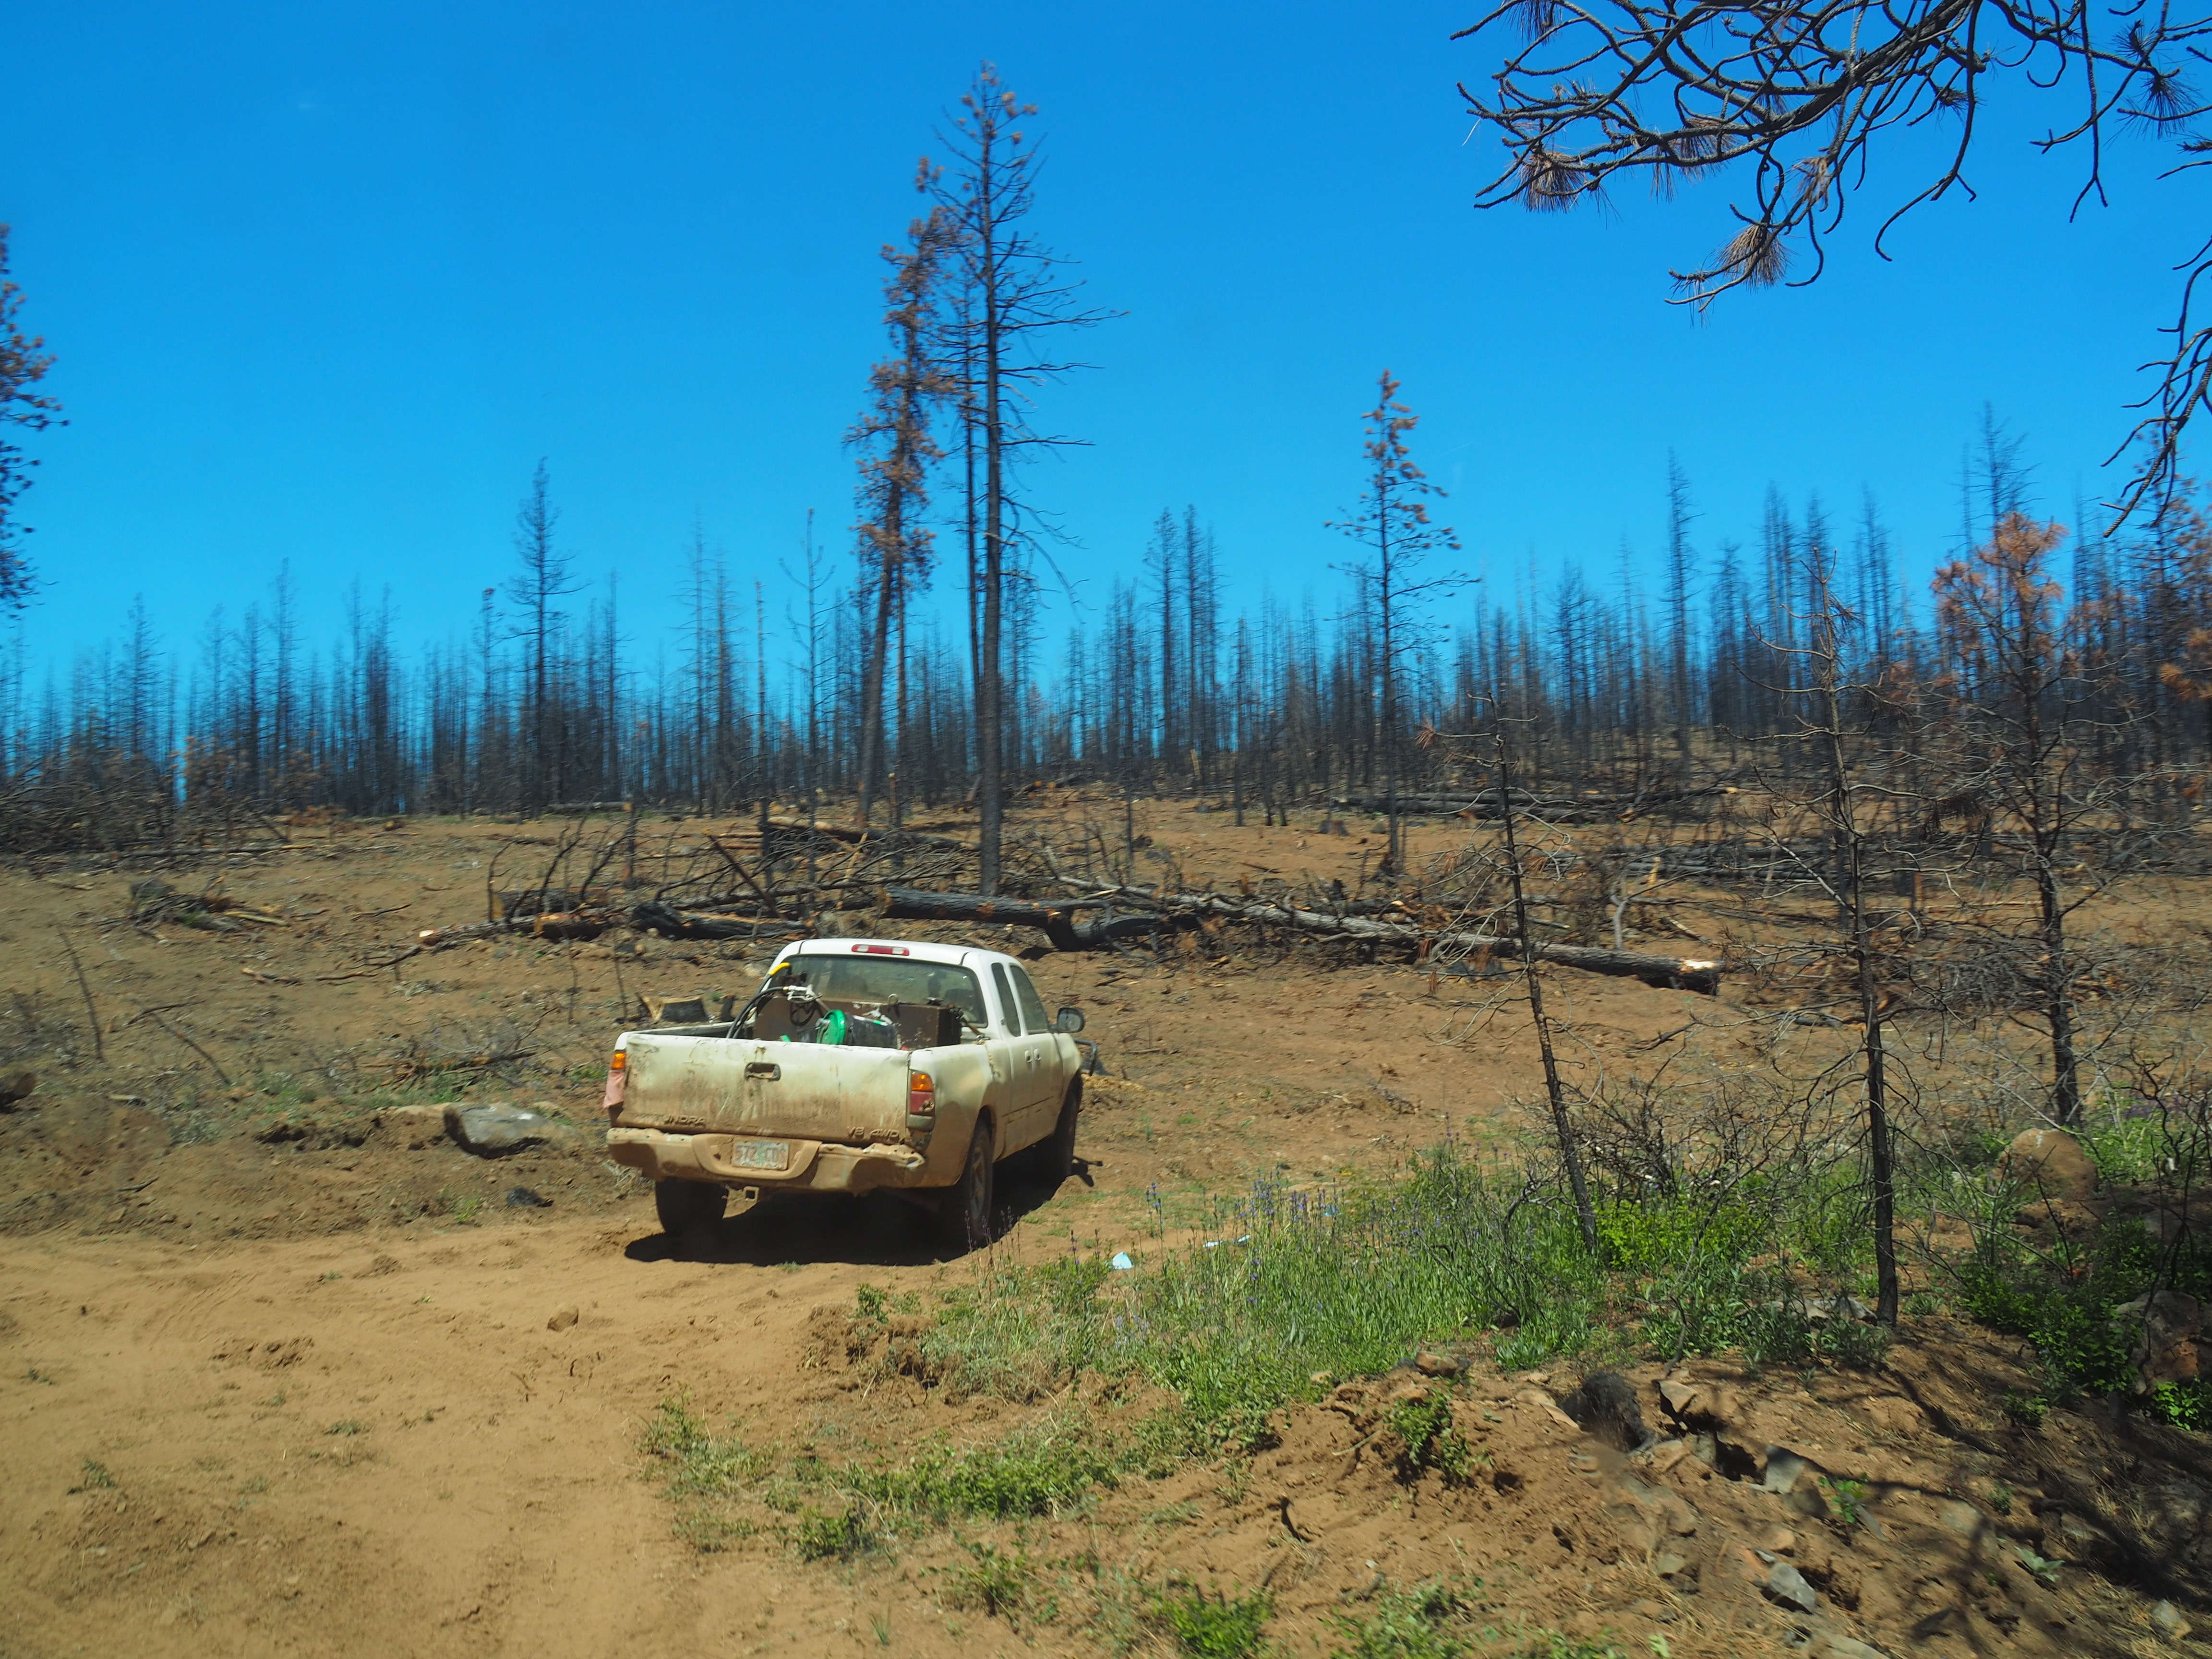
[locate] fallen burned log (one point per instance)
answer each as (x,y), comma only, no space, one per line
(1058,924)
(670,922)
(560,927)
(1552,809)
(1157,910)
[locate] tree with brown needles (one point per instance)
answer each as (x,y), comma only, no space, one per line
(1392,523)
(1008,301)
(23,363)
(2017,711)
(897,446)
(1808,93)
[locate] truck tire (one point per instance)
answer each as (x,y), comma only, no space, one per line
(964,1214)
(1054,1160)
(687,1207)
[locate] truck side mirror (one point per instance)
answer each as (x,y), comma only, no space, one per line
(1069,1020)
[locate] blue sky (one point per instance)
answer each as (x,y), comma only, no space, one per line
(326,282)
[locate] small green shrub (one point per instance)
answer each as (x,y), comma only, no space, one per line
(2062,1299)
(2043,1569)
(833,1537)
(2183,1405)
(1847,1500)
(1650,1237)
(996,1582)
(347,1426)
(93,1477)
(2128,1151)
(1216,1626)
(870,1304)
(1424,1428)
(1429,1622)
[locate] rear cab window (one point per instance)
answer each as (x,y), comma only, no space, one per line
(871,979)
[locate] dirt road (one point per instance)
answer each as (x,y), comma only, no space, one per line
(372,1445)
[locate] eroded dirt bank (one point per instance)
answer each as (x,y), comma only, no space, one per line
(428,1442)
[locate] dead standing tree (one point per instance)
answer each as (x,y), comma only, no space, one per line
(1821,718)
(897,448)
(1008,301)
(1806,92)
(536,592)
(1563,1127)
(2016,717)
(1392,523)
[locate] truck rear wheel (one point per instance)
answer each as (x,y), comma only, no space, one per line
(964,1214)
(686,1207)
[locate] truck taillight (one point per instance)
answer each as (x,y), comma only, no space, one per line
(920,1095)
(619,1062)
(617,1082)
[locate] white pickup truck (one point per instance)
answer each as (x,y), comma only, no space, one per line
(860,1064)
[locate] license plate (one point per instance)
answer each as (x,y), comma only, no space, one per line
(761,1154)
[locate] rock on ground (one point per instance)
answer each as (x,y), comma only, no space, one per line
(2051,1162)
(493,1130)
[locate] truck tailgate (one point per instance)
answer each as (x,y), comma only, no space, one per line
(798,1090)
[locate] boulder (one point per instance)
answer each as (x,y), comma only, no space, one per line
(495,1131)
(15,1087)
(2051,1162)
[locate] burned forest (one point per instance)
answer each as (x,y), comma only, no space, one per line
(1540,1105)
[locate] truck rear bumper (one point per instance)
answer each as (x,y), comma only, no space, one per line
(812,1166)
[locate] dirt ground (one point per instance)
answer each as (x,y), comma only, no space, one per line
(283,1371)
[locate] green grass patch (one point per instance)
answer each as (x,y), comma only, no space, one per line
(699,1463)
(94,1476)
(1040,1468)
(1435,1620)
(837,1537)
(1215,1625)
(1350,1280)
(1000,1583)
